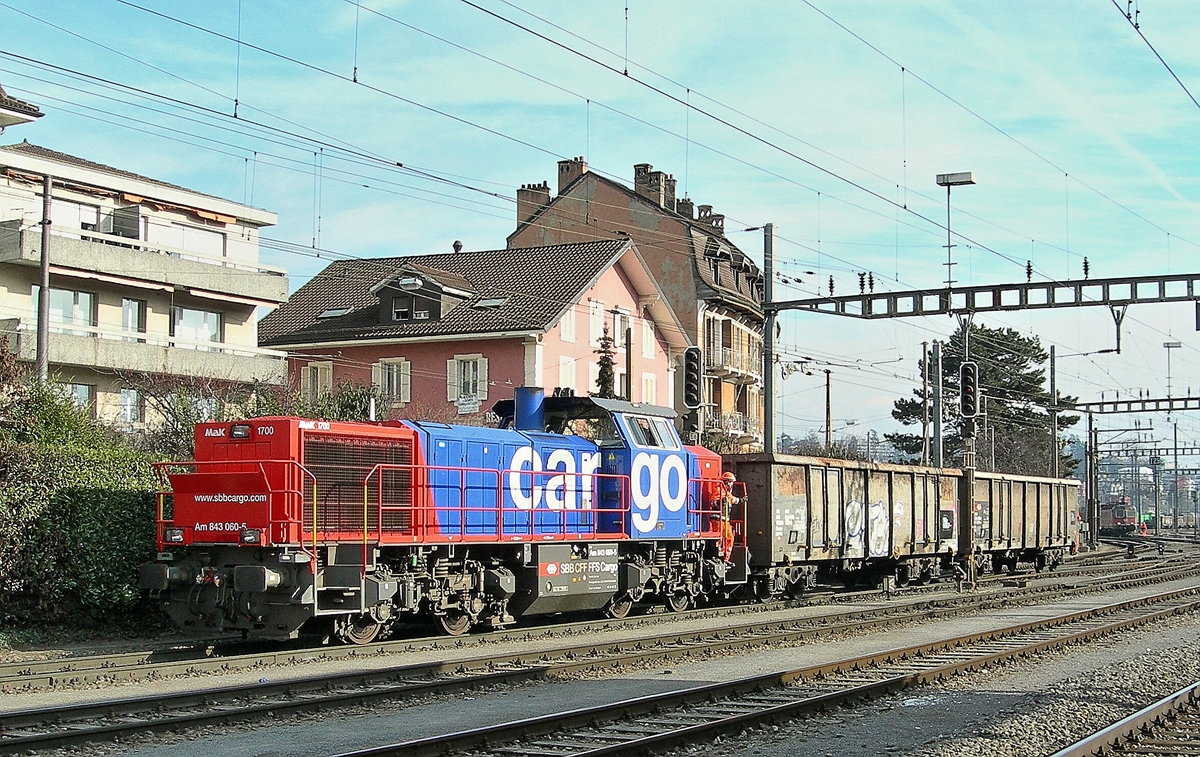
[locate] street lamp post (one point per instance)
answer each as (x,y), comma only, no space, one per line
(948,180)
(1170,346)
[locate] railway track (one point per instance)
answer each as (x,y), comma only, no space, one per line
(1170,726)
(211,658)
(42,728)
(649,724)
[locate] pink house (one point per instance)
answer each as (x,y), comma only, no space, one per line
(450,334)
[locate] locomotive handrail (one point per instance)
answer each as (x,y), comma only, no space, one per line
(161,470)
(498,508)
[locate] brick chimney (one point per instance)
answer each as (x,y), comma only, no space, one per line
(530,199)
(685,208)
(569,171)
(653,185)
(715,221)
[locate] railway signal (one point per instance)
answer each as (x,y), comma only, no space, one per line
(693,370)
(968,382)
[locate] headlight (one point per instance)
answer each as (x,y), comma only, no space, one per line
(240,431)
(250,536)
(173,535)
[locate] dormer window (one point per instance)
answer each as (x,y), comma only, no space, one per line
(402,309)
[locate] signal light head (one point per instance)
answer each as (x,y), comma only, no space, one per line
(968,387)
(693,369)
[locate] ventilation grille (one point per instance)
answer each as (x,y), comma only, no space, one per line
(340,464)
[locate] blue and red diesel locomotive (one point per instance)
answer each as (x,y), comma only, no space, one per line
(283,526)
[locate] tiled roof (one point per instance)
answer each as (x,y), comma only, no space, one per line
(537,283)
(36,151)
(9,102)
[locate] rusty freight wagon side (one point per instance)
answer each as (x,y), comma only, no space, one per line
(1025,519)
(858,522)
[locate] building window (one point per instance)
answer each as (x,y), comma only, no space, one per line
(566,326)
(133,318)
(621,385)
(647,339)
(193,328)
(316,380)
(621,322)
(566,372)
(466,381)
(593,378)
(82,396)
(595,322)
(68,308)
(402,308)
(393,376)
(132,406)
(650,388)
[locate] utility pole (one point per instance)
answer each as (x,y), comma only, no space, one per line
(937,405)
(769,339)
(1175,475)
(1093,480)
(924,403)
(1053,418)
(43,322)
(828,412)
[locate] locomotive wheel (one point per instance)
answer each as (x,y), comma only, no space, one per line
(360,629)
(454,623)
(678,601)
(619,607)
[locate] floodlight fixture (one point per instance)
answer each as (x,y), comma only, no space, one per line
(959,179)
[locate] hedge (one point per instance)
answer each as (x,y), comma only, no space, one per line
(75,522)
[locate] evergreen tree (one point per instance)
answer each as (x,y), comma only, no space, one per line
(606,377)
(1012,382)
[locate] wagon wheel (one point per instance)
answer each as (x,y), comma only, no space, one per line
(360,629)
(619,607)
(678,601)
(454,622)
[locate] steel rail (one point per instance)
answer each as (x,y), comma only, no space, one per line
(648,724)
(41,674)
(43,728)
(1149,728)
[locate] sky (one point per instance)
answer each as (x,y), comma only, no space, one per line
(829,119)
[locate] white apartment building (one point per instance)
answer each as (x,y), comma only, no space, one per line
(147,279)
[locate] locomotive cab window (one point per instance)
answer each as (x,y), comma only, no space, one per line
(647,432)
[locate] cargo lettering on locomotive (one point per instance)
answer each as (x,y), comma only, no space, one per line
(656,481)
(572,490)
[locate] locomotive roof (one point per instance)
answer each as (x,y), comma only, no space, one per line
(580,405)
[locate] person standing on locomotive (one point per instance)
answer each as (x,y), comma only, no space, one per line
(722,518)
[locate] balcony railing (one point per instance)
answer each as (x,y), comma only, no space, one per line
(23,326)
(745,362)
(99,237)
(737,425)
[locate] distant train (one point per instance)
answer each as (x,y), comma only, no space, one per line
(1117,519)
(286,526)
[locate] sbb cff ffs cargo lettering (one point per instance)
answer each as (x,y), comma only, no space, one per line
(572,504)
